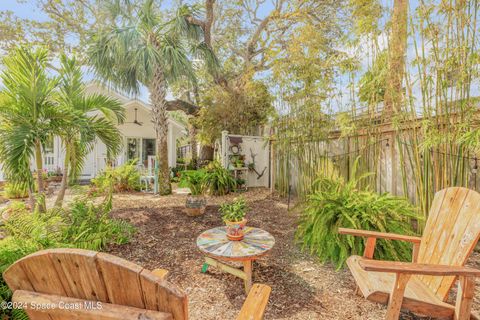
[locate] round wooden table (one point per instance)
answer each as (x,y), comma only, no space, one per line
(216,246)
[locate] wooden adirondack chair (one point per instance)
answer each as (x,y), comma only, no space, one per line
(85,285)
(439,256)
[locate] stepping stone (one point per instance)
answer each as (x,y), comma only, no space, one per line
(185,191)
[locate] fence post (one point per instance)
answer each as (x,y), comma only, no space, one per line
(272,165)
(224,149)
(393,167)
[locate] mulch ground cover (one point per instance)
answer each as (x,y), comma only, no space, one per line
(302,288)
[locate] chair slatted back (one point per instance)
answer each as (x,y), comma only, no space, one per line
(451,233)
(94,276)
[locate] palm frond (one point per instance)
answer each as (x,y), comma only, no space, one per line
(28,112)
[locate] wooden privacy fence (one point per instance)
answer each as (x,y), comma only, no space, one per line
(398,163)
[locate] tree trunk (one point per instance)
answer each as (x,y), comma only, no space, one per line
(31,197)
(192,132)
(396,54)
(206,153)
(158,90)
(40,185)
(64,185)
(193,129)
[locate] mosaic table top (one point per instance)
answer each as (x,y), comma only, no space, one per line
(255,243)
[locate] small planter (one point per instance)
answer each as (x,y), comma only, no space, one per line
(235,230)
(195,205)
(54,179)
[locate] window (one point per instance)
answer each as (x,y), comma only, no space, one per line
(48,147)
(133,148)
(148,149)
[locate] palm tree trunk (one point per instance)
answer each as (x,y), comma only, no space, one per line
(39,168)
(192,132)
(31,197)
(64,185)
(158,91)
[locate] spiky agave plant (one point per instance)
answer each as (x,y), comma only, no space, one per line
(336,203)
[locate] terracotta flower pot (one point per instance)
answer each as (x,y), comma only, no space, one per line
(195,205)
(235,229)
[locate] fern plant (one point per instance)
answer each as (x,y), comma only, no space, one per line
(15,190)
(336,203)
(124,178)
(82,225)
(218,180)
(90,227)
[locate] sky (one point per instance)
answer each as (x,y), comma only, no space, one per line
(28,9)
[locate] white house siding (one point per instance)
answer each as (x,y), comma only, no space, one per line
(97,158)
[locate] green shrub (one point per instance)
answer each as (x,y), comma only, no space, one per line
(90,227)
(218,180)
(234,211)
(82,225)
(336,203)
(194,180)
(175,175)
(124,178)
(183,177)
(15,191)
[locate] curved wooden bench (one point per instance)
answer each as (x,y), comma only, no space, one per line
(61,278)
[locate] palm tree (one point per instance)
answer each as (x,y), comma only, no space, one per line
(28,117)
(140,48)
(94,116)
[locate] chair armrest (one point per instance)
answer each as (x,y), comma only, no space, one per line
(254,306)
(382,235)
(161,273)
(417,268)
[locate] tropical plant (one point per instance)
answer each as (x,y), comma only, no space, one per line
(336,203)
(241,111)
(234,211)
(177,173)
(83,225)
(124,178)
(90,227)
(218,180)
(194,180)
(15,190)
(29,116)
(141,48)
(94,117)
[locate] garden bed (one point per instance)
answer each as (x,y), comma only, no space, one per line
(301,287)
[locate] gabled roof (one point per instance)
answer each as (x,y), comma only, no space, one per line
(127,101)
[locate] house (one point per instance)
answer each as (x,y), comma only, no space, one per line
(138,139)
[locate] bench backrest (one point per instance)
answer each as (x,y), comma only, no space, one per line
(450,235)
(94,276)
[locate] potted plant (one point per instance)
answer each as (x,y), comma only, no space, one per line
(55,176)
(233,160)
(239,163)
(233,214)
(196,202)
